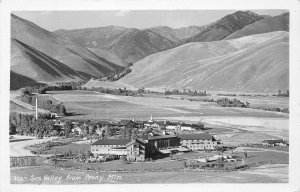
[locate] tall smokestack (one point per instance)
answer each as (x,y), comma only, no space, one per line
(36,109)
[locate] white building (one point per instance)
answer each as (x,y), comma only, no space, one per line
(196,142)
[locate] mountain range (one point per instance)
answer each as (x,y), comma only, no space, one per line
(196,57)
(225,26)
(46,57)
(129,44)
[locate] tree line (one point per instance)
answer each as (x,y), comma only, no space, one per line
(120,91)
(42,89)
(185,92)
(26,124)
(282,94)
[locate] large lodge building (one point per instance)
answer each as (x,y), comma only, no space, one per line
(151,143)
(146,146)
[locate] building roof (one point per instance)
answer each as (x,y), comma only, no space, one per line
(273,141)
(112,142)
(154,137)
(201,136)
(125,122)
(141,140)
(171,123)
(186,125)
(197,125)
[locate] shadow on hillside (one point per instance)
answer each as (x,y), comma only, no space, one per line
(18,81)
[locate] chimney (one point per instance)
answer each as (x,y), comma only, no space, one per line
(164,132)
(36,109)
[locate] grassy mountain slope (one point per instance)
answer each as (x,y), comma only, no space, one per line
(257,63)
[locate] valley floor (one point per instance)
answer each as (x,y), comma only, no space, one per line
(231,125)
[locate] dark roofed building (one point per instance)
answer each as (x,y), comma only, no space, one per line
(162,141)
(197,126)
(201,136)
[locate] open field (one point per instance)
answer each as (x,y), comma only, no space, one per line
(258,129)
(104,106)
(46,97)
(274,173)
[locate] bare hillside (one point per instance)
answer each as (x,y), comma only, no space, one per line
(257,63)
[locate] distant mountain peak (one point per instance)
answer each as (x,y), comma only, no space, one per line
(225,26)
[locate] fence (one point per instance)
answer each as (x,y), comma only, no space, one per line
(24,161)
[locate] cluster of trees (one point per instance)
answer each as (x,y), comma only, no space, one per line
(26,124)
(225,102)
(282,94)
(65,86)
(114,76)
(185,92)
(116,91)
(41,89)
(276,109)
(44,104)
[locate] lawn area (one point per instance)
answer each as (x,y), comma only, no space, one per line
(119,165)
(267,156)
(75,148)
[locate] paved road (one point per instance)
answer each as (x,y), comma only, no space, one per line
(18,148)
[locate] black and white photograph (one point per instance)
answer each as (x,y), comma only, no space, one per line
(149,96)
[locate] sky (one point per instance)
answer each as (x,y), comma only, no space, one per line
(54,20)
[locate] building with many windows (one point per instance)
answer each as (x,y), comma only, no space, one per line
(133,149)
(196,142)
